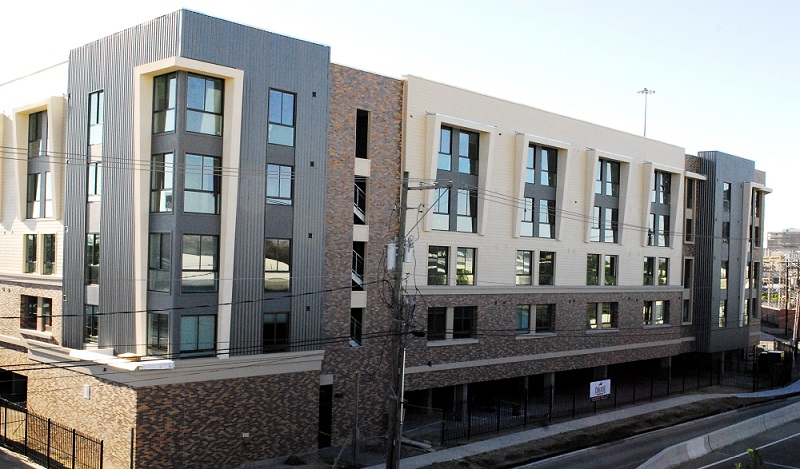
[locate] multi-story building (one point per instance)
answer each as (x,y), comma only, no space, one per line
(223,196)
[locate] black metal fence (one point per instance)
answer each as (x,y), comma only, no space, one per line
(646,381)
(48,443)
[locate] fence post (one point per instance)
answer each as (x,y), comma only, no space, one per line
(25,449)
(48,443)
(133,435)
(101,455)
(74,448)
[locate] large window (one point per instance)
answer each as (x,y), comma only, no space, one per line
(542,166)
(161,182)
(538,218)
(275,333)
(39,196)
(277,264)
(164,100)
(204,105)
(437,265)
(159,262)
(547,265)
(524,265)
(655,312)
(92,259)
(48,254)
(281,118)
(31,251)
(203,183)
(465,266)
(462,318)
(198,335)
(601,315)
(96,115)
(199,263)
(36,313)
(157,334)
(279,184)
(91,323)
(37,134)
(540,192)
(458,163)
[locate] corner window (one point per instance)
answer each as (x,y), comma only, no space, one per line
(157,334)
(200,263)
(437,265)
(204,105)
(37,134)
(96,116)
(281,118)
(601,315)
(547,264)
(202,186)
(198,335)
(277,264)
(164,99)
(279,184)
(275,333)
(465,266)
(159,262)
(161,182)
(92,259)
(524,264)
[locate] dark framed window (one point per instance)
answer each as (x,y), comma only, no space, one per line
(523,319)
(94,180)
(159,262)
(524,265)
(356,325)
(607,178)
(203,184)
(275,333)
(688,230)
(723,275)
(649,271)
(281,118)
(164,101)
(29,311)
(92,258)
(277,264)
(441,209)
(465,266)
(466,219)
(541,166)
(465,144)
(91,323)
(526,226)
(162,180)
(690,193)
(604,225)
(662,183)
(437,265)
(31,253)
(39,196)
(204,100)
(655,313)
(279,184)
(547,219)
(601,315)
(726,196)
(686,315)
(464,322)
(726,231)
(547,268)
(611,270)
(362,133)
(545,317)
(48,254)
(198,335)
(723,313)
(37,134)
(593,269)
(445,149)
(658,232)
(157,334)
(96,116)
(200,263)
(688,273)
(437,323)
(663,270)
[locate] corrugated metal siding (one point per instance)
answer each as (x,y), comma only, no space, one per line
(273,61)
(107,64)
(706,263)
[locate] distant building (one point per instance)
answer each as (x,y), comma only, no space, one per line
(784,243)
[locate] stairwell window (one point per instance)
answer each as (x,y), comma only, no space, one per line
(277,265)
(281,118)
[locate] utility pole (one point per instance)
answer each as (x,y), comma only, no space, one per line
(645,92)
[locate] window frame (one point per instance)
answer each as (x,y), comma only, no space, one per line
(158,343)
(193,194)
(438,261)
(37,134)
(547,258)
(281,248)
(159,262)
(91,323)
(186,273)
(280,190)
(165,105)
(31,250)
(466,266)
(600,309)
(162,183)
(96,117)
(524,268)
(280,337)
(217,99)
(92,256)
(277,121)
(199,339)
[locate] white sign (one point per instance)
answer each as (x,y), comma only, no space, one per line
(599,389)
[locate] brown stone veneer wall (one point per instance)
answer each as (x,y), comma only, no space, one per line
(382,97)
(10,297)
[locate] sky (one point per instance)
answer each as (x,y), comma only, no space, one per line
(726,73)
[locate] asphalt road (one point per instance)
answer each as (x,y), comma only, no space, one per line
(631,452)
(779,447)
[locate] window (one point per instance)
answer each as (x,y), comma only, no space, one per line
(523,319)
(662,182)
(31,251)
(437,265)
(723,313)
(277,264)
(37,134)
(161,182)
(746,312)
(723,275)
(279,184)
(688,273)
(604,225)
(649,271)
(94,185)
(36,313)
(96,111)
(466,144)
(91,323)
(544,212)
(164,93)
(275,333)
(202,186)
(359,200)
(358,265)
(593,269)
(726,231)
(607,180)
(545,315)
(658,231)
(362,133)
(465,266)
(48,254)
(159,262)
(526,227)
(441,209)
(524,261)
(204,105)
(157,334)
(656,312)
(92,258)
(547,262)
(726,196)
(445,149)
(663,270)
(199,264)
(281,118)
(611,270)
(464,322)
(39,196)
(437,323)
(466,220)
(198,334)
(690,193)
(688,230)
(686,317)
(356,325)
(530,166)
(601,315)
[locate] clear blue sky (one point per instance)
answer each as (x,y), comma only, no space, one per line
(726,73)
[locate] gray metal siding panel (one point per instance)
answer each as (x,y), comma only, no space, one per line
(107,64)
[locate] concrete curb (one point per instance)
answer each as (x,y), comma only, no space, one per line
(696,447)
